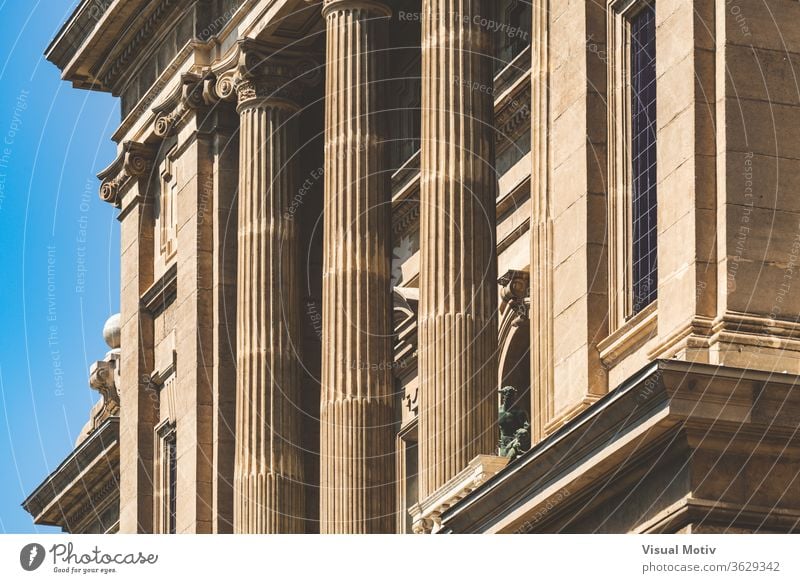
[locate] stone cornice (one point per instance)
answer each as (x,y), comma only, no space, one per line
(104,38)
(513,111)
(713,406)
(121,61)
(95,460)
(134,161)
(405,197)
(100,500)
(427,514)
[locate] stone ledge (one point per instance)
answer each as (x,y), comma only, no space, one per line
(426,516)
(704,415)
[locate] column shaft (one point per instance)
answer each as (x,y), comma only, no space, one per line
(542,309)
(357,436)
(458,274)
(268,481)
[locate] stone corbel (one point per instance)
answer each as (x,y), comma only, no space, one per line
(135,160)
(516,294)
(190,95)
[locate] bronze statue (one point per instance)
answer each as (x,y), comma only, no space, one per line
(515,434)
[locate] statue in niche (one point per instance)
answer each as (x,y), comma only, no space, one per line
(515,429)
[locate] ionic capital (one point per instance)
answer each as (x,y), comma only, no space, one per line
(373,7)
(258,75)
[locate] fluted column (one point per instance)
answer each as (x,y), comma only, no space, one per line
(542,311)
(268,481)
(357,439)
(458,273)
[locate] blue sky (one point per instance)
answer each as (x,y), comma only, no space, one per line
(53,141)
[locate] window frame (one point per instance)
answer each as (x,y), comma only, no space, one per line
(168,210)
(166,491)
(620,214)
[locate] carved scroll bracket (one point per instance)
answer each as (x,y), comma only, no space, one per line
(189,96)
(516,294)
(134,161)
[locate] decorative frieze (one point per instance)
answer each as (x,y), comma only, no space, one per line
(121,62)
(513,113)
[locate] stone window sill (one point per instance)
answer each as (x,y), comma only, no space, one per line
(629,337)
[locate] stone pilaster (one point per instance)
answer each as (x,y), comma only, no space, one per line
(127,184)
(268,480)
(357,436)
(458,275)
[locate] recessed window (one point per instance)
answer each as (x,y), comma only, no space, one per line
(644,252)
(168,211)
(513,30)
(171,455)
(166,478)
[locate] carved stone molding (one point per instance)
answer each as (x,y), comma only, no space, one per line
(370,6)
(102,378)
(191,95)
(122,60)
(516,293)
(427,515)
(513,113)
(135,161)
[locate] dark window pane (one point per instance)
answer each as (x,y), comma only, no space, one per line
(643,157)
(513,30)
(172,470)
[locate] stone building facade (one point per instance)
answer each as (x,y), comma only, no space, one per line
(346,224)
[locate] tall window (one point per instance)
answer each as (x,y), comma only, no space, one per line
(165,485)
(644,256)
(168,211)
(171,481)
(514,31)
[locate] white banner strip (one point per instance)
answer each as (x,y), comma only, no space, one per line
(400,559)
